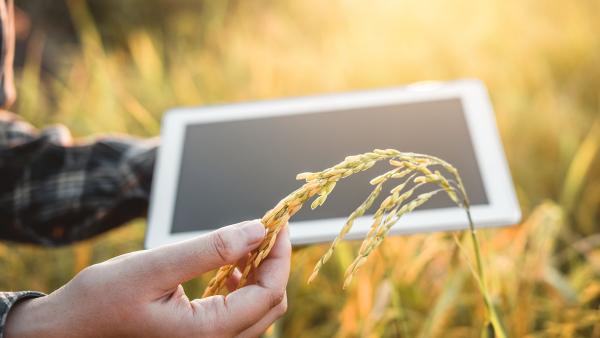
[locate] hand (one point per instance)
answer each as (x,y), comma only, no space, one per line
(140,294)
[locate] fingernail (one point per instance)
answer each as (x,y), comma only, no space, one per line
(254,230)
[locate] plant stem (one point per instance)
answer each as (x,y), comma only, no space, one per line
(491,310)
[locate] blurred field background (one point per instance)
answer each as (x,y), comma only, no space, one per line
(116,66)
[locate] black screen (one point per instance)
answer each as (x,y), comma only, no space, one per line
(236,170)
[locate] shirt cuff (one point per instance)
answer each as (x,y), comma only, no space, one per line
(140,160)
(9,299)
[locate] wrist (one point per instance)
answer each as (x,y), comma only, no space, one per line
(30,317)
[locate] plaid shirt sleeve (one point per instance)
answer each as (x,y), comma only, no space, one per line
(53,192)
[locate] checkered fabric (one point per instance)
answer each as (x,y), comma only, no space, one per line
(53,192)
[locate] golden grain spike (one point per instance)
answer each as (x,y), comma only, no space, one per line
(358,212)
(322,183)
(383,231)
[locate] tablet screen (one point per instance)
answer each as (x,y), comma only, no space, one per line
(237,170)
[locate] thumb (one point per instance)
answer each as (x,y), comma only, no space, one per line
(177,263)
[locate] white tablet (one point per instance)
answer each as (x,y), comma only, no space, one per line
(223,164)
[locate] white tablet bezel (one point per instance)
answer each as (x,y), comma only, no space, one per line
(503,208)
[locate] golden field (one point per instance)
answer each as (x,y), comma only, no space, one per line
(539,59)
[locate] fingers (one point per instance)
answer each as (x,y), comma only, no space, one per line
(233,280)
(253,305)
(236,312)
(173,264)
(275,269)
(262,325)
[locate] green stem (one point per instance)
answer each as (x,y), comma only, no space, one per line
(491,310)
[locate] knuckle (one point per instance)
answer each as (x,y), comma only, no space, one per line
(276,297)
(88,277)
(92,280)
(282,307)
(222,245)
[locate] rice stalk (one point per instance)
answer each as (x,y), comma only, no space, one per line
(409,168)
